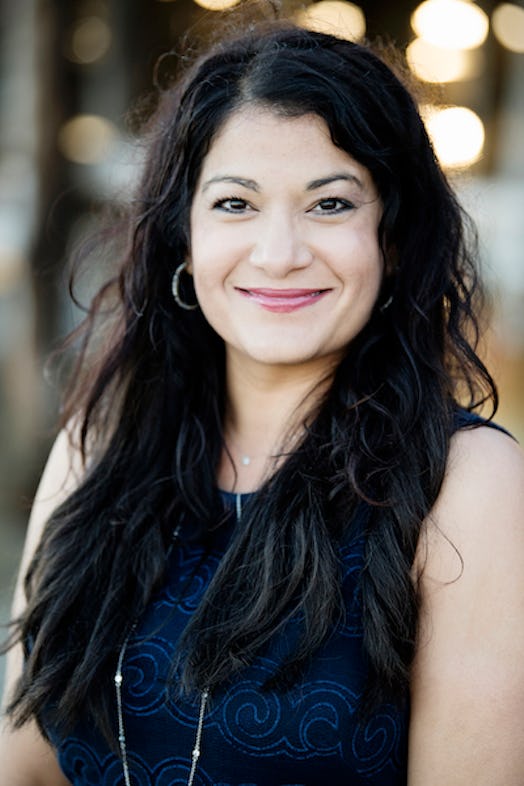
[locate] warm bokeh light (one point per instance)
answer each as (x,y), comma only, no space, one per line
(86,139)
(334,16)
(90,40)
(457,134)
(217,5)
(451,24)
(508,25)
(436,64)
(12,267)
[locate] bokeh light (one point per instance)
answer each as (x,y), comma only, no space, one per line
(451,24)
(334,16)
(457,134)
(436,64)
(86,139)
(508,25)
(90,40)
(217,5)
(12,267)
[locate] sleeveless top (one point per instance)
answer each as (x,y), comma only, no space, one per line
(304,736)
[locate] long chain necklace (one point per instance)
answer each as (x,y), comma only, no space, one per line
(119,679)
(122,743)
(195,753)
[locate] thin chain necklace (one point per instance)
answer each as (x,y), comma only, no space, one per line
(119,679)
(247,458)
(118,689)
(195,753)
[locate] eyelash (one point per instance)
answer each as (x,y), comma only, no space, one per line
(220,204)
(343,205)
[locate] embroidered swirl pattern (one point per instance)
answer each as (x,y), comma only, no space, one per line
(376,742)
(85,768)
(251,737)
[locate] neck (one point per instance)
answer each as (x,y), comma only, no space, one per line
(267,409)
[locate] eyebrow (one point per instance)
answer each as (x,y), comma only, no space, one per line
(240,181)
(311,186)
(325,181)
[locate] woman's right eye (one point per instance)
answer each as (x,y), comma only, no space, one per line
(231,205)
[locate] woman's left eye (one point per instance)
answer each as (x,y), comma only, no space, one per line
(332,205)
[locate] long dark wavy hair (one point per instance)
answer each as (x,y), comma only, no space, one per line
(149,405)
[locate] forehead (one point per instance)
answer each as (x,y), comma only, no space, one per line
(261,142)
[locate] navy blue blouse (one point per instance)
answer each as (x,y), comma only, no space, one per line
(305,736)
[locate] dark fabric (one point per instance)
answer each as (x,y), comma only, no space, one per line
(463,420)
(306,736)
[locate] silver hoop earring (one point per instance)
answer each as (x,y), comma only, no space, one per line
(175,283)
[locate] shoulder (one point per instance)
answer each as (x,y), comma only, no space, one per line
(26,755)
(480,508)
(62,474)
(467,686)
(483,448)
(487,461)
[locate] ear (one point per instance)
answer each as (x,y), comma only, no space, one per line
(189,265)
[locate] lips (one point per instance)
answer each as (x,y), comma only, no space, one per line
(283,300)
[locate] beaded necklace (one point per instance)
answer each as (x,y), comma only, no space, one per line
(119,679)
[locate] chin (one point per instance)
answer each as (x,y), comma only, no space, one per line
(280,356)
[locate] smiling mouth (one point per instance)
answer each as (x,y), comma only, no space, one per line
(283,300)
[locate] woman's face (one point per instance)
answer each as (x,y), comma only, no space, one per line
(284,240)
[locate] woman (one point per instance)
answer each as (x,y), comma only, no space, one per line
(284,553)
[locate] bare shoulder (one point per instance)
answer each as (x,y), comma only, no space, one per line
(487,454)
(480,510)
(27,759)
(62,474)
(484,459)
(467,684)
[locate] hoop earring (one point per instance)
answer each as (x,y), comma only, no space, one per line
(175,284)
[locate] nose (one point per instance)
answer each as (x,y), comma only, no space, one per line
(280,246)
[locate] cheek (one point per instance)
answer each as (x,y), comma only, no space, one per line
(360,261)
(206,287)
(209,283)
(210,256)
(365,286)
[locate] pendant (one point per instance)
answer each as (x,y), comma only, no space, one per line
(246,461)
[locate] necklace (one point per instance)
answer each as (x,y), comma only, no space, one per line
(119,679)
(238,506)
(195,753)
(122,743)
(245,458)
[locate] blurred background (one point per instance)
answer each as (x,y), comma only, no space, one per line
(72,74)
